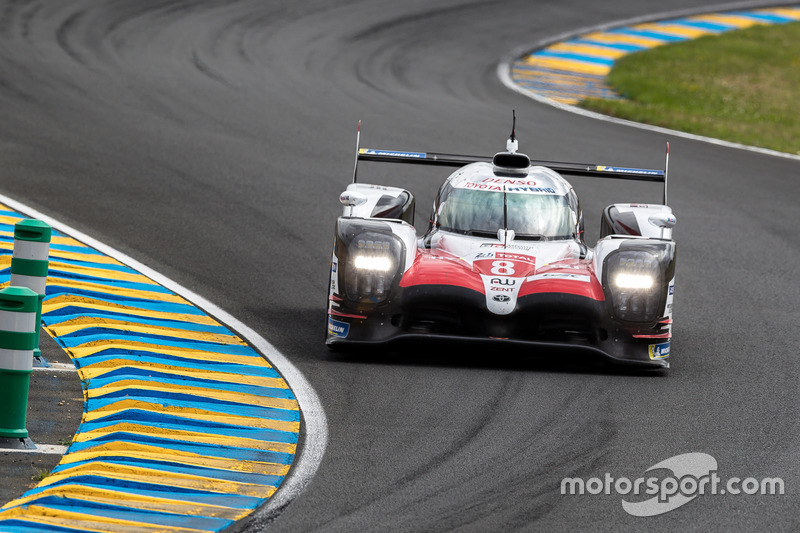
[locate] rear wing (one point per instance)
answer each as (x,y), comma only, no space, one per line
(456,160)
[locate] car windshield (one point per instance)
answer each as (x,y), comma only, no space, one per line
(535,216)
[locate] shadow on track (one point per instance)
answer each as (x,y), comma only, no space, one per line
(445,354)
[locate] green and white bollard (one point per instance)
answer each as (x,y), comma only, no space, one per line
(18,312)
(30,263)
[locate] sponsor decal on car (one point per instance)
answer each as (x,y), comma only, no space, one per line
(509,247)
(503,289)
(499,188)
(395,153)
(500,281)
(515,257)
(658,351)
(334,275)
(337,328)
(623,170)
(511,185)
(560,275)
(549,190)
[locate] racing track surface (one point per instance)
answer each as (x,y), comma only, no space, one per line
(210,140)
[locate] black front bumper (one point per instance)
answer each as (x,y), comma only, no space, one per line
(544,322)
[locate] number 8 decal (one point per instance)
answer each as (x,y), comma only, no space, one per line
(503,268)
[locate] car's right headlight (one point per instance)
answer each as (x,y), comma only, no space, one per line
(373,260)
(634,282)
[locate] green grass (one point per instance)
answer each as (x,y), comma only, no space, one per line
(742,86)
(40,475)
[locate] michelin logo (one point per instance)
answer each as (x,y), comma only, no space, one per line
(338,329)
(658,351)
(623,170)
(394,153)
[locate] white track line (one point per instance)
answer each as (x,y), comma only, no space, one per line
(40,448)
(504,72)
(56,367)
(315,437)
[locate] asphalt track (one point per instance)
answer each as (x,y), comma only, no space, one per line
(210,140)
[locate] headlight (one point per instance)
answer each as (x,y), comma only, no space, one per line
(373,255)
(634,281)
(373,261)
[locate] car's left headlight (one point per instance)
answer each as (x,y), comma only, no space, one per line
(634,282)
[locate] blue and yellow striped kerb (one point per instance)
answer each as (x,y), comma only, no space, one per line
(185,426)
(574,70)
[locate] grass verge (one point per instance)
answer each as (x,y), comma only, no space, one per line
(742,86)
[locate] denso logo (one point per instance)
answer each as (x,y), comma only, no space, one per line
(502,181)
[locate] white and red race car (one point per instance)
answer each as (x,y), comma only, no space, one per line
(503,261)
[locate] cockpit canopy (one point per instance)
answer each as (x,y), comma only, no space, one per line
(537,206)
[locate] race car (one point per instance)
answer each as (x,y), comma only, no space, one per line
(503,260)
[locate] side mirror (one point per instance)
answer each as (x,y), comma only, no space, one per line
(352,198)
(663,220)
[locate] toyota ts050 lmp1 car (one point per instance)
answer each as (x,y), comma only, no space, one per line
(503,260)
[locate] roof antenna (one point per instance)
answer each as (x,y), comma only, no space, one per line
(666,173)
(358,144)
(512,144)
(505,213)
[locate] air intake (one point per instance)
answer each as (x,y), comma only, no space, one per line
(511,161)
